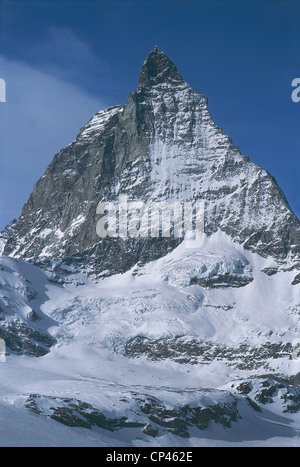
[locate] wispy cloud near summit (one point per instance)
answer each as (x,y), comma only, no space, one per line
(42,114)
(64,55)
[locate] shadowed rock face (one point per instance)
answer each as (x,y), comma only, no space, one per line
(162,145)
(148,414)
(157,69)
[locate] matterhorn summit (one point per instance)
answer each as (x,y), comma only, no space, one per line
(161,145)
(157,68)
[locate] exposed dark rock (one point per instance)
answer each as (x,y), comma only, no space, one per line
(151,416)
(157,68)
(270,271)
(296,279)
(23,339)
(188,350)
(244,388)
(223,281)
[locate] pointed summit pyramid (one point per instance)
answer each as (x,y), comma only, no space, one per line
(158,68)
(161,146)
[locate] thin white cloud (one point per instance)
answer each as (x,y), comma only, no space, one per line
(41,115)
(62,54)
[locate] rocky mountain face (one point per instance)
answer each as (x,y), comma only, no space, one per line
(162,145)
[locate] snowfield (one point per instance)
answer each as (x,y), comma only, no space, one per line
(194,349)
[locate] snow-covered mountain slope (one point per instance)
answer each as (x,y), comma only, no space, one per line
(219,294)
(23,326)
(49,403)
(55,401)
(196,348)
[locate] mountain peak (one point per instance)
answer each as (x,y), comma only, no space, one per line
(158,68)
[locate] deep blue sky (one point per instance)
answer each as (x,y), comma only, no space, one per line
(65,60)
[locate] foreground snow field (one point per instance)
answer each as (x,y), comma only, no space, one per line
(21,426)
(198,348)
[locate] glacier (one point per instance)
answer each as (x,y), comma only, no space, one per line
(151,358)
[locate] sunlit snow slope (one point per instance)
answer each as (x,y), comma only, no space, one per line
(196,348)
